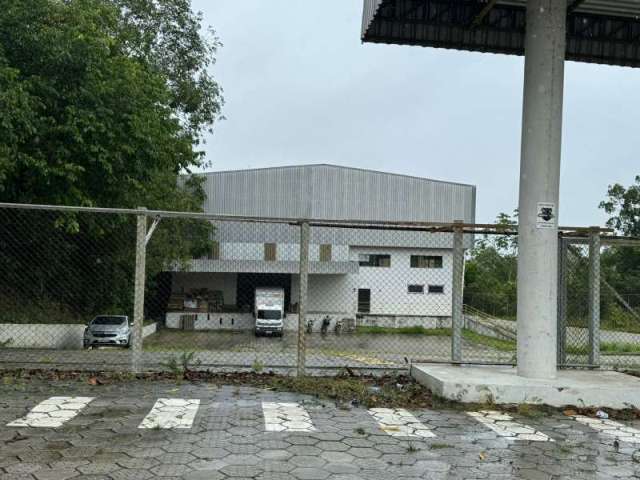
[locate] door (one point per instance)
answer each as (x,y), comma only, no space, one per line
(364,300)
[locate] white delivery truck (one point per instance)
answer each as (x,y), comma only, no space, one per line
(269,311)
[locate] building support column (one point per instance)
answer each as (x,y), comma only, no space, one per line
(545,47)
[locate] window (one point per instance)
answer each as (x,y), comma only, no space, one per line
(325,252)
(426,261)
(270,252)
(436,288)
(269,314)
(374,260)
(214,254)
(415,289)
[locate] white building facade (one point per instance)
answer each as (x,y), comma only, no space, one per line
(374,276)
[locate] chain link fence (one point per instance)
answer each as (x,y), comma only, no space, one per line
(142,290)
(598,307)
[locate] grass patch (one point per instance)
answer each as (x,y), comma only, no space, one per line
(606,348)
(497,343)
(439,446)
(416,330)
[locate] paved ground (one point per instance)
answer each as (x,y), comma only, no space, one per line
(162,430)
(244,349)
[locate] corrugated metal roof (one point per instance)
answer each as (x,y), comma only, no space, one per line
(598,31)
(329,192)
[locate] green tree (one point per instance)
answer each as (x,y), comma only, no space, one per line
(102,103)
(621,265)
(491,271)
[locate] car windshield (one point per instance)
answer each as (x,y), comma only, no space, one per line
(108,320)
(269,314)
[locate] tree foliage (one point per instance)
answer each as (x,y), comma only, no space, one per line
(491,271)
(102,103)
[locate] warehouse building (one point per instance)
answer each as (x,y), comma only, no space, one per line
(371,276)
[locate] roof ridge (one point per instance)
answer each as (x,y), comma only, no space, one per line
(331,165)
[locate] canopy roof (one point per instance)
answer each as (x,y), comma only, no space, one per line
(598,31)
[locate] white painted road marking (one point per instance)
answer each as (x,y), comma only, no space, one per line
(504,426)
(611,428)
(53,412)
(286,417)
(398,422)
(171,413)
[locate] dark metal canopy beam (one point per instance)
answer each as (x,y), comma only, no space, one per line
(498,27)
(483,13)
(574,5)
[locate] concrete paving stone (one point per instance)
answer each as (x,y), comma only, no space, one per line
(170,470)
(277,466)
(149,452)
(364,452)
(4,461)
(341,468)
(176,458)
(23,467)
(304,473)
(312,461)
(99,468)
(248,471)
(277,454)
(304,450)
(337,457)
(56,474)
(244,449)
(275,476)
(139,463)
(210,453)
(204,475)
(332,446)
(131,474)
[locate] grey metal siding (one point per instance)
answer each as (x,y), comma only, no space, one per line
(330,192)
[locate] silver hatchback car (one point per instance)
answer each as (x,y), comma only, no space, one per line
(108,330)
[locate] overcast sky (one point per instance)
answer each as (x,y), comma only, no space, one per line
(301,88)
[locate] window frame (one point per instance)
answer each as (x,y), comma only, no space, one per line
(325,253)
(439,287)
(421,289)
(438,261)
(214,251)
(268,248)
(377,256)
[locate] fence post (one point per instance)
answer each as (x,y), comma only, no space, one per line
(302,301)
(562,301)
(456,293)
(138,297)
(594,296)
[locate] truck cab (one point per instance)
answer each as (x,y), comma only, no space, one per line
(269,311)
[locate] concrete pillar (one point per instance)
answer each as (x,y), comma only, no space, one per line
(545,47)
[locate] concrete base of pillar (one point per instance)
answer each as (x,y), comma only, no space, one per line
(501,385)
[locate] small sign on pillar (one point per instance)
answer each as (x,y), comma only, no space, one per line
(546,215)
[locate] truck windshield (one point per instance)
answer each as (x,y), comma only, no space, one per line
(269,314)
